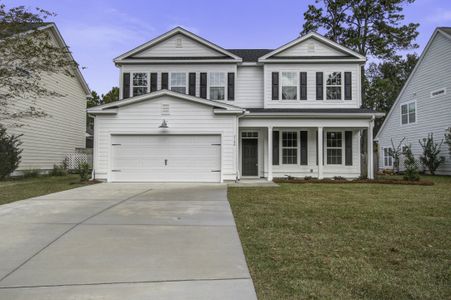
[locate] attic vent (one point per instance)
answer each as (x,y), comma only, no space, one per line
(165,110)
(438,92)
(178,42)
(311,47)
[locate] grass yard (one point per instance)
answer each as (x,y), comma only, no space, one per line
(23,188)
(347,241)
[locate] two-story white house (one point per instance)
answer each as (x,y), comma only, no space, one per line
(423,105)
(193,111)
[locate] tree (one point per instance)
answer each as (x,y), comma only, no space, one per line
(430,158)
(369,27)
(93,100)
(28,55)
(111,96)
(384,81)
(9,153)
(396,152)
(410,163)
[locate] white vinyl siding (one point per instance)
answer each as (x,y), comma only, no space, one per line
(310,47)
(249,87)
(178,46)
(185,118)
(311,70)
(432,114)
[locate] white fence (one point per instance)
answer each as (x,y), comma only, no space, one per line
(73,160)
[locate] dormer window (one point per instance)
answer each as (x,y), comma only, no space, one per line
(139,84)
(178,82)
(333,86)
(289,86)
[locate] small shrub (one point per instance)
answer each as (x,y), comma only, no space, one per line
(9,153)
(448,139)
(339,178)
(59,170)
(31,173)
(84,171)
(410,163)
(396,152)
(308,178)
(430,158)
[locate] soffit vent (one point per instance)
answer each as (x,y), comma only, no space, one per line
(165,111)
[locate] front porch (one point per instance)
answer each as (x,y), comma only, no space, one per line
(274,148)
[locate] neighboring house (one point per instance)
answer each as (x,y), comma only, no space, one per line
(193,111)
(423,105)
(47,140)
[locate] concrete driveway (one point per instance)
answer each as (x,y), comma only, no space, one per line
(123,241)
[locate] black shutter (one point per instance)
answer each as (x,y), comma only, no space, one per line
(164,81)
(303,85)
(319,86)
(192,84)
(126,85)
(348,148)
(203,85)
(304,142)
(231,86)
(348,86)
(275,147)
(153,82)
(275,86)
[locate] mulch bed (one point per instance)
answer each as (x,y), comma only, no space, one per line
(366,181)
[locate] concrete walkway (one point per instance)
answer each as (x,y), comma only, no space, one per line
(123,241)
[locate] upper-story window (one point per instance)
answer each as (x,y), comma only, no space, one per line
(333,86)
(139,84)
(217,86)
(408,113)
(289,86)
(178,82)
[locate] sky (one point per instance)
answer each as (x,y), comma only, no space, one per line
(97,31)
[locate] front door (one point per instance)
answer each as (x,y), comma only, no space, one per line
(249,157)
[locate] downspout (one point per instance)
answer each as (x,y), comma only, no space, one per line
(237,139)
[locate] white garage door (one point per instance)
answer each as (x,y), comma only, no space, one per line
(166,158)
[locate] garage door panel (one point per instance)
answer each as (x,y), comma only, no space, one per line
(166,158)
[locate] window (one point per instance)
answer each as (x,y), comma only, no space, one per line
(333,86)
(408,113)
(289,86)
(388,158)
(289,148)
(139,84)
(178,82)
(217,86)
(334,145)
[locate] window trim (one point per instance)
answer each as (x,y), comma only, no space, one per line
(186,80)
(209,85)
(296,74)
(388,156)
(132,86)
(341,85)
(325,147)
(408,117)
(438,90)
(281,147)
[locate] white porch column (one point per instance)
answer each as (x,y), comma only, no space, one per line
(370,150)
(269,158)
(320,153)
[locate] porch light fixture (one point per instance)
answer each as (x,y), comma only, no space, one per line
(164,124)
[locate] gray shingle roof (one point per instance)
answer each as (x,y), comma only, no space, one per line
(249,55)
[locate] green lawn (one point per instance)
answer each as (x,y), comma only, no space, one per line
(18,189)
(347,241)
